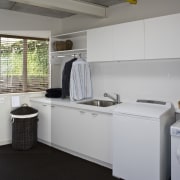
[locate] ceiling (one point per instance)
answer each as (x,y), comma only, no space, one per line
(106,3)
(50,11)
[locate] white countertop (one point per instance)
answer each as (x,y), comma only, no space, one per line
(74,104)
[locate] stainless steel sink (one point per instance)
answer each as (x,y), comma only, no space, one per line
(99,103)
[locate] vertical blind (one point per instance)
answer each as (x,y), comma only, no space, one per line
(23,64)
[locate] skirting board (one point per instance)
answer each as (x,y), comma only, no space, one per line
(44,142)
(108,165)
(5,142)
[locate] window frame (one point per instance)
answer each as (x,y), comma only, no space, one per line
(24,73)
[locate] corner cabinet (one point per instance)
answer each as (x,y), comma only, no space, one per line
(84,132)
(162,38)
(5,122)
(44,121)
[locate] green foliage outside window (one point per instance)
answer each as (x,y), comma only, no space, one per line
(12,55)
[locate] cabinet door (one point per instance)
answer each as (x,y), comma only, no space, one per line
(98,129)
(162,37)
(84,132)
(136,147)
(5,120)
(128,41)
(66,128)
(44,122)
(99,44)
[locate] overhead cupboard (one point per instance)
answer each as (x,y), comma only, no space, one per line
(99,44)
(162,38)
(118,42)
(154,38)
(128,41)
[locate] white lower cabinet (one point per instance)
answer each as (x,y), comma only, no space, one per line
(84,132)
(44,122)
(5,121)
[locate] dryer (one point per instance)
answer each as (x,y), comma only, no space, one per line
(175,151)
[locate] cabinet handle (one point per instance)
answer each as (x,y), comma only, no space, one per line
(94,114)
(82,112)
(52,106)
(44,105)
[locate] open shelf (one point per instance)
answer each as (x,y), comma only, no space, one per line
(79,44)
(70,35)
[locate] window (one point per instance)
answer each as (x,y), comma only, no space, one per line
(23,64)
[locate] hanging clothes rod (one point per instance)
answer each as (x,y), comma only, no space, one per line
(71,53)
(74,55)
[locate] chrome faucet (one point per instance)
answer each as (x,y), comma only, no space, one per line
(116,100)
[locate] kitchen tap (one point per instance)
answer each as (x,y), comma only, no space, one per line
(116,100)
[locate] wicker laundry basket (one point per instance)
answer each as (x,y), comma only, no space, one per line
(24,127)
(59,45)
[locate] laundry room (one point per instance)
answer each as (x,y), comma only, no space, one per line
(77,76)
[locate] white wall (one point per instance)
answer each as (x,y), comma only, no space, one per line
(15,23)
(123,12)
(153,79)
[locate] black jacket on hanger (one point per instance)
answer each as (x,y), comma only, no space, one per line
(66,77)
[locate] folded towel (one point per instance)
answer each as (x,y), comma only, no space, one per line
(53,93)
(52,90)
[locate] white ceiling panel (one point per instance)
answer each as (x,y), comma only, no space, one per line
(104,2)
(40,11)
(74,7)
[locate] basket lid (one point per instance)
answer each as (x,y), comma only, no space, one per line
(24,110)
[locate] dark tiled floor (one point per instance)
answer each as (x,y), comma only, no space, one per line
(45,163)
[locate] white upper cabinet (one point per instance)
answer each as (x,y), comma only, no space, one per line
(154,38)
(162,38)
(128,41)
(118,42)
(99,44)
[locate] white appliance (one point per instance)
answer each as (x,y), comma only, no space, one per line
(141,140)
(175,151)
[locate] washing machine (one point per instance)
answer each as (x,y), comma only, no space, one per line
(175,151)
(141,140)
